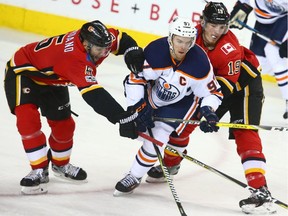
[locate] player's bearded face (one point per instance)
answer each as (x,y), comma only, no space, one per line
(181,46)
(97,52)
(212,32)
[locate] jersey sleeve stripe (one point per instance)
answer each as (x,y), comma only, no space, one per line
(249,70)
(90,88)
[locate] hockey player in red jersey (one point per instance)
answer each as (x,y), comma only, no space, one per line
(271,21)
(177,74)
(38,76)
(237,70)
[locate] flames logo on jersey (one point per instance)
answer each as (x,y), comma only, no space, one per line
(227,48)
(166,91)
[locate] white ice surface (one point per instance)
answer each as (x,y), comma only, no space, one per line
(107,157)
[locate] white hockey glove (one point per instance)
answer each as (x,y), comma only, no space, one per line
(240,12)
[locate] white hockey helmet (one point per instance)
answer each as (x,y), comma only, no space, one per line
(182,27)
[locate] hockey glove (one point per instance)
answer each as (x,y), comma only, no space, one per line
(283,50)
(127,127)
(134,59)
(209,125)
(144,118)
(240,12)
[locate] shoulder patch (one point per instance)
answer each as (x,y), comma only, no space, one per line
(227,48)
(89,77)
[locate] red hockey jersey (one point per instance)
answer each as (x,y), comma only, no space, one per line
(230,59)
(60,60)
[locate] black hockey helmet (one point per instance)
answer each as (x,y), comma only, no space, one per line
(216,12)
(96,33)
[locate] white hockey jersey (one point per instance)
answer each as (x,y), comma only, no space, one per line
(268,11)
(173,81)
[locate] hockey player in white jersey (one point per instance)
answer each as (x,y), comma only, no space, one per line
(177,82)
(271,21)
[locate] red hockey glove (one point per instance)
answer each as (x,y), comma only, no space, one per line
(209,125)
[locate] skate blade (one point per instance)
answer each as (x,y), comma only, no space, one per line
(119,193)
(265,209)
(64,178)
(155,180)
(34,190)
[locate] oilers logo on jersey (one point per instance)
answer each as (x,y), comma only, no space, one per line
(165,91)
(274,6)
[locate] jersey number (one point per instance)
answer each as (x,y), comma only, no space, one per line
(234,68)
(47,42)
(212,86)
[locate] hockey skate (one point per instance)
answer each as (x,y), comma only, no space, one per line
(35,182)
(69,172)
(156,175)
(126,185)
(260,202)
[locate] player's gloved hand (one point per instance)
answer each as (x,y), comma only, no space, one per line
(240,12)
(127,125)
(134,59)
(283,50)
(144,116)
(209,125)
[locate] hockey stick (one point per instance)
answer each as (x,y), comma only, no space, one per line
(256,32)
(225,124)
(166,173)
(199,163)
